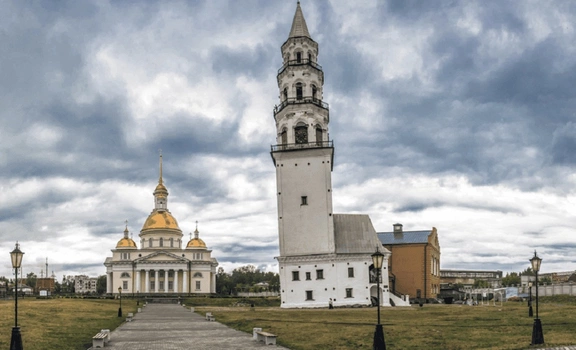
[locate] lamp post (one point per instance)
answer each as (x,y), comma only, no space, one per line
(120,297)
(379,343)
(530,311)
(537,334)
(16,257)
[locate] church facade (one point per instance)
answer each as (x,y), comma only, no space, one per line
(324,257)
(162,265)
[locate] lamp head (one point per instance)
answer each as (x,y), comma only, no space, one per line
(536,261)
(377,259)
(120,290)
(16,256)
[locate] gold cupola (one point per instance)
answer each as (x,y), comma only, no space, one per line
(196,242)
(160,218)
(126,242)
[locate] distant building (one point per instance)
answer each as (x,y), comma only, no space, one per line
(414,266)
(558,277)
(48,284)
(468,277)
(84,284)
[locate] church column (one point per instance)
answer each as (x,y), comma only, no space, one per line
(175,281)
(184,281)
(156,281)
(109,282)
(213,284)
(138,281)
(147,281)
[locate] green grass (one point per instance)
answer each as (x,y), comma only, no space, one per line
(431,327)
(60,324)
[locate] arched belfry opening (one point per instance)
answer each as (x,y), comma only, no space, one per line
(301,133)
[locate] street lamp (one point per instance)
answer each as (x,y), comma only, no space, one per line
(16,341)
(530,311)
(537,334)
(120,297)
(379,343)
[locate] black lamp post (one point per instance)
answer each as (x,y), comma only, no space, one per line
(16,341)
(530,312)
(379,343)
(537,334)
(120,297)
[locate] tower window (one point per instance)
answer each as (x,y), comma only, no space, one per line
(318,136)
(304,200)
(295,276)
(350,272)
(309,57)
(298,57)
(285,94)
(284,137)
(314,91)
(349,293)
(299,91)
(308,276)
(309,295)
(319,274)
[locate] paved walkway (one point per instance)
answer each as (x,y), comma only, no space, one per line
(171,326)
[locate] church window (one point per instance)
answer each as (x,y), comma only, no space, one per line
(170,285)
(171,242)
(152,285)
(125,256)
(161,285)
(308,276)
(349,293)
(161,273)
(299,93)
(301,133)
(298,57)
(350,272)
(319,274)
(309,295)
(295,276)
(198,274)
(150,240)
(161,242)
(170,274)
(125,275)
(304,200)
(197,285)
(125,285)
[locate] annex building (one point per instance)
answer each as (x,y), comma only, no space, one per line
(163,264)
(323,256)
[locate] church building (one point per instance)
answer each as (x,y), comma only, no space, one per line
(323,256)
(162,265)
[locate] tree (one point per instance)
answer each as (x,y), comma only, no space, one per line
(481,284)
(101,284)
(244,279)
(31,280)
(511,279)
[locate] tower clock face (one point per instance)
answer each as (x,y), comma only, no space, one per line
(301,135)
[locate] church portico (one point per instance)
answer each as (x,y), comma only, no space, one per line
(161,266)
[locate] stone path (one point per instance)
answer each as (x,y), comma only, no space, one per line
(171,326)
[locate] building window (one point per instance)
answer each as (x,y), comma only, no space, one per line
(125,285)
(171,242)
(295,276)
(304,200)
(170,285)
(198,274)
(349,293)
(308,276)
(319,274)
(161,285)
(161,242)
(197,285)
(350,272)
(309,295)
(299,94)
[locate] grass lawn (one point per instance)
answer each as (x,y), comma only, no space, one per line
(430,327)
(60,324)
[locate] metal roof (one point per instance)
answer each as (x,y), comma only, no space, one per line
(354,233)
(405,237)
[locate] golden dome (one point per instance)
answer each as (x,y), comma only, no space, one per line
(160,188)
(126,243)
(196,243)
(160,220)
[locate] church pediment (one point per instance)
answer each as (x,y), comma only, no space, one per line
(161,256)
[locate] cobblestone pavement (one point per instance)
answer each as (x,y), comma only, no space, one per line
(171,326)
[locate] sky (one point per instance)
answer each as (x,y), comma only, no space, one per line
(459,115)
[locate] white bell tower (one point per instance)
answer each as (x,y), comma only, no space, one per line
(303,155)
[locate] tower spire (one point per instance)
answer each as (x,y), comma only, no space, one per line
(299,27)
(160,182)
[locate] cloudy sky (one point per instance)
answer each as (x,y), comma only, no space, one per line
(459,115)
